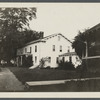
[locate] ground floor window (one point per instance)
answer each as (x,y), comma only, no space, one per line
(30,49)
(35,59)
(57,61)
(49,59)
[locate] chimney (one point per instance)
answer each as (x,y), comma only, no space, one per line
(41,35)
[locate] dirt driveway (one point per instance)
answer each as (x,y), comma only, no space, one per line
(8,81)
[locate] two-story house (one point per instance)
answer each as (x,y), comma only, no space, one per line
(51,46)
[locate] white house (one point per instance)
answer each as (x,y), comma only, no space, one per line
(51,46)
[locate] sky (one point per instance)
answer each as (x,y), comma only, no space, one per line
(65,18)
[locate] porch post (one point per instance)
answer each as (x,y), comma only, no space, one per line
(86,56)
(17,61)
(86,50)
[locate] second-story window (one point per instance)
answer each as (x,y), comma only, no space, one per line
(53,47)
(68,49)
(35,48)
(58,38)
(60,48)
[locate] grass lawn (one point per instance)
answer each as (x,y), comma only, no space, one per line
(24,75)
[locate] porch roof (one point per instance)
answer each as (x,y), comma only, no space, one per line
(68,54)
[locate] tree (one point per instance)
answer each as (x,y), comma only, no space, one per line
(91,37)
(79,43)
(16,18)
(12,22)
(28,36)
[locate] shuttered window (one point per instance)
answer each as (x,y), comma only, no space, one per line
(53,47)
(35,48)
(60,48)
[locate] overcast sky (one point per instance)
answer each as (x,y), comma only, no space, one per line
(65,18)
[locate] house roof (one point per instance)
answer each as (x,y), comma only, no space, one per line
(94,28)
(68,54)
(46,38)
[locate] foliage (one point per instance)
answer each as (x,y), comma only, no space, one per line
(27,61)
(13,24)
(79,69)
(66,65)
(43,63)
(79,43)
(28,36)
(91,36)
(13,19)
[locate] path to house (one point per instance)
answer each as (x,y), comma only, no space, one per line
(8,81)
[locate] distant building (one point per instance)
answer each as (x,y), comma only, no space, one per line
(92,58)
(53,47)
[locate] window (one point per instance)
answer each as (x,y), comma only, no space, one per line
(36,48)
(30,49)
(49,59)
(68,49)
(57,60)
(35,59)
(53,47)
(60,48)
(25,50)
(58,38)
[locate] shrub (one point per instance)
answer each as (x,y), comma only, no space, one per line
(43,63)
(27,61)
(66,65)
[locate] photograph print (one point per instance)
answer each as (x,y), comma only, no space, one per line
(50,47)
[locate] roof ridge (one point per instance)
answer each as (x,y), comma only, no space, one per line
(43,39)
(65,37)
(93,27)
(51,35)
(57,34)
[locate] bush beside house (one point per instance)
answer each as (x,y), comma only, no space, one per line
(66,65)
(44,63)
